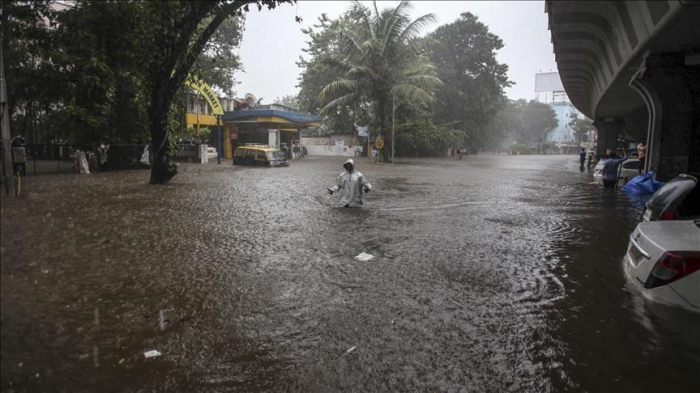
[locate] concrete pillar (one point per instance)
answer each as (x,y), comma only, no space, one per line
(607,129)
(670,87)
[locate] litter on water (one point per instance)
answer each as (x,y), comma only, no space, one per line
(151,354)
(350,350)
(364,257)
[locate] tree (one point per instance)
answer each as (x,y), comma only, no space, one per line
(218,62)
(324,50)
(384,61)
(580,127)
(174,37)
(98,59)
(535,118)
(289,100)
(506,122)
(26,40)
(464,53)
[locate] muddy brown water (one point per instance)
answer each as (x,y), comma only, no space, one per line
(493,273)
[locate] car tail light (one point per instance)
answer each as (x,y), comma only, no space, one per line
(666,216)
(673,266)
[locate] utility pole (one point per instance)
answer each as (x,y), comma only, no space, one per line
(6,148)
(218,139)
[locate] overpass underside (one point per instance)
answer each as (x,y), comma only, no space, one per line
(634,68)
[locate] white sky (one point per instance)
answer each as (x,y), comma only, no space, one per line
(272,41)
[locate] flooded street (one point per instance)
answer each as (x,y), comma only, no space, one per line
(493,273)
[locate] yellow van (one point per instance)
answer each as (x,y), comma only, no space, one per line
(259,156)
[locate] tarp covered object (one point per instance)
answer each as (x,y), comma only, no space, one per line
(643,186)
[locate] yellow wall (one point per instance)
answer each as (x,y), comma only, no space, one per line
(204,120)
(227,143)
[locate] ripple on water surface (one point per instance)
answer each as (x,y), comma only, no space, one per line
(245,278)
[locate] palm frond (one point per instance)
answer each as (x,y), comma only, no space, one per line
(337,88)
(345,100)
(425,81)
(414,29)
(411,93)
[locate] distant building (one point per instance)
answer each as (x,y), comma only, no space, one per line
(550,90)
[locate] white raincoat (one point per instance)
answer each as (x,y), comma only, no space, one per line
(351,183)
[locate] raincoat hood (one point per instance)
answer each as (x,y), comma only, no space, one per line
(351,162)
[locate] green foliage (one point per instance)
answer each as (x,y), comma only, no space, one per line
(31,84)
(423,138)
(535,118)
(524,149)
(580,126)
(201,135)
(288,100)
(506,122)
(464,53)
(380,58)
(218,62)
(360,61)
(113,70)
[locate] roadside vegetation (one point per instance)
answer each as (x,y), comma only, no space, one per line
(115,71)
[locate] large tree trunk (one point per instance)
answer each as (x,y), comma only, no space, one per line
(383,131)
(162,170)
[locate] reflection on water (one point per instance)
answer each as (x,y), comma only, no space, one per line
(491,274)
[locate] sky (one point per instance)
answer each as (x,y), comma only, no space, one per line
(273,41)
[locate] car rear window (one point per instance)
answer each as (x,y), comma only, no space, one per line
(672,194)
(240,152)
(690,207)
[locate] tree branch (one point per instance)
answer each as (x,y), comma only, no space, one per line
(183,65)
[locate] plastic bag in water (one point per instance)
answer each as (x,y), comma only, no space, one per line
(364,257)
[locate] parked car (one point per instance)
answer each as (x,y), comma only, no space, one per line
(663,262)
(211,152)
(630,169)
(679,199)
(259,156)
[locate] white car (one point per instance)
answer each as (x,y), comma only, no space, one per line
(211,152)
(679,199)
(630,169)
(663,262)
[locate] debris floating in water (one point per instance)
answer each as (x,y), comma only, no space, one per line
(151,354)
(351,349)
(364,257)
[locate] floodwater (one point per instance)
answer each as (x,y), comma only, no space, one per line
(493,273)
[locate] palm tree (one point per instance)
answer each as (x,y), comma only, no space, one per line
(383,61)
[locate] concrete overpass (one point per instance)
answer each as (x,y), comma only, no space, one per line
(634,68)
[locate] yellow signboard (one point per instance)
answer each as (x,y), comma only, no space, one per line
(207,92)
(379,143)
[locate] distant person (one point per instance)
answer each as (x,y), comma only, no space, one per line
(591,156)
(102,155)
(304,152)
(582,157)
(19,156)
(610,169)
(350,184)
(642,155)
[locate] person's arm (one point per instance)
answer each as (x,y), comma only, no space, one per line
(366,185)
(338,184)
